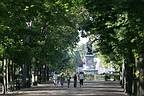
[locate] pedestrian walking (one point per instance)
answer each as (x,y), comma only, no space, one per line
(62,79)
(68,79)
(81,78)
(75,80)
(55,77)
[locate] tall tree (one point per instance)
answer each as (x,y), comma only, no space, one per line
(118,26)
(37,29)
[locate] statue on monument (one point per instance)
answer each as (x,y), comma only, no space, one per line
(89,47)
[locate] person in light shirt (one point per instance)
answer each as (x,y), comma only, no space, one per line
(81,78)
(55,79)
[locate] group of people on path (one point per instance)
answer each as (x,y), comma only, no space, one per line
(80,77)
(60,79)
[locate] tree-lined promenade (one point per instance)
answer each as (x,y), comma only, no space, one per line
(90,88)
(39,37)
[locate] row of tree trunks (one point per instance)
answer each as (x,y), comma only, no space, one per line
(141,74)
(8,74)
(22,76)
(128,72)
(130,82)
(43,74)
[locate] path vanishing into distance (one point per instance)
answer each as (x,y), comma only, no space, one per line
(90,88)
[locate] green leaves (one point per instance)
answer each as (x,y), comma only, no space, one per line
(40,29)
(118,25)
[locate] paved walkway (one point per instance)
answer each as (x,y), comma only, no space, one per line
(91,88)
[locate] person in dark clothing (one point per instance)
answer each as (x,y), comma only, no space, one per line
(75,80)
(62,78)
(68,79)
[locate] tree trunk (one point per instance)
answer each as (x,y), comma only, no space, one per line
(129,79)
(122,82)
(7,74)
(4,89)
(24,75)
(48,73)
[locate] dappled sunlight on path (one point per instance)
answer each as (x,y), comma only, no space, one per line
(91,88)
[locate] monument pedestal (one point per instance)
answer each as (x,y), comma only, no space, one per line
(90,62)
(90,66)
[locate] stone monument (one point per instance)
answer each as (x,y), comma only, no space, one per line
(89,66)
